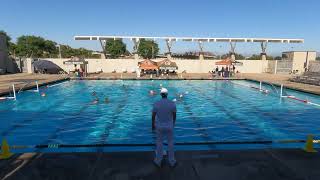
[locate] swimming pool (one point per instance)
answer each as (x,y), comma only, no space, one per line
(225,112)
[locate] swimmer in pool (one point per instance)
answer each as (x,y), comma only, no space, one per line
(43,94)
(106,100)
(93,93)
(95,101)
(152,93)
(179,96)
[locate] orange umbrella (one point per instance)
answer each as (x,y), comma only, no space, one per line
(225,62)
(148,65)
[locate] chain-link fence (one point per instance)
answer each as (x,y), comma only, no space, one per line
(284,66)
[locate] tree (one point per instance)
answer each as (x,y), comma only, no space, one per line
(68,52)
(278,58)
(50,49)
(11,46)
(148,49)
(38,47)
(237,56)
(254,57)
(270,57)
(8,38)
(258,57)
(34,46)
(318,58)
(115,48)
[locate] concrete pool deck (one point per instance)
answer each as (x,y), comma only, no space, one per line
(277,79)
(22,79)
(275,164)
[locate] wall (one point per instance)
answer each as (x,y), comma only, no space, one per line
(190,66)
(253,66)
(271,68)
(204,66)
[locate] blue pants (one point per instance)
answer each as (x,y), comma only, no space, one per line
(160,134)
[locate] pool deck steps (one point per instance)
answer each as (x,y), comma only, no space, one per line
(265,164)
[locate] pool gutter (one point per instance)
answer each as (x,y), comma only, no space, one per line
(148,78)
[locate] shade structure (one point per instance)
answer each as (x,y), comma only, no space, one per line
(167,65)
(75,61)
(148,65)
(229,62)
(225,62)
(45,66)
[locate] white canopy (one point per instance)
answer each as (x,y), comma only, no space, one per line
(207,39)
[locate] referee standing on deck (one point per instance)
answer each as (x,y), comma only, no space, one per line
(163,121)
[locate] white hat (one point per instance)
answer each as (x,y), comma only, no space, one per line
(164,91)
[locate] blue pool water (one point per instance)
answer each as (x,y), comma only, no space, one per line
(212,111)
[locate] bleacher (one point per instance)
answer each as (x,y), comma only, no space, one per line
(308,78)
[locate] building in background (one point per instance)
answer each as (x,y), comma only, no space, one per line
(3,54)
(7,64)
(300,59)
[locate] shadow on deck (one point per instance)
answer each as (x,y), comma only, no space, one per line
(245,164)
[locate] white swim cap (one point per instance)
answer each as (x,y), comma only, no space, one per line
(164,91)
(174,100)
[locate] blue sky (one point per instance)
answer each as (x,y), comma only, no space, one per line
(60,20)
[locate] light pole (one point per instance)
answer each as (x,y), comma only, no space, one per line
(59,46)
(152,51)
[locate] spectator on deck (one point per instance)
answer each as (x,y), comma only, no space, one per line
(222,71)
